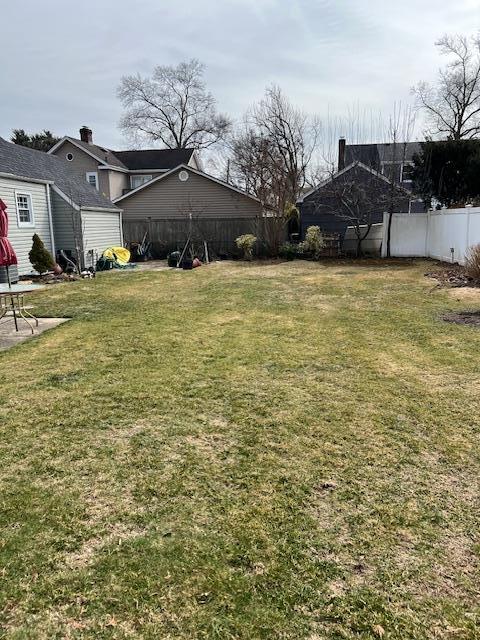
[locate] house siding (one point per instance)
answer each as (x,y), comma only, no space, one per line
(62,216)
(193,162)
(170,198)
(117,182)
(101,229)
(318,208)
(82,164)
(21,237)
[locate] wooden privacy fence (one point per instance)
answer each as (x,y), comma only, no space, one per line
(220,233)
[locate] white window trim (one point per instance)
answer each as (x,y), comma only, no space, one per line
(140,175)
(92,173)
(20,223)
(409,164)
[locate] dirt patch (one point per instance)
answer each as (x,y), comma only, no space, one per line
(453,276)
(471,318)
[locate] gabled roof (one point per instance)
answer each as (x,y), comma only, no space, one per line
(143,159)
(164,159)
(103,155)
(351,166)
(191,170)
(22,162)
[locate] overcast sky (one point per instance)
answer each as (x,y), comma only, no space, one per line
(61,60)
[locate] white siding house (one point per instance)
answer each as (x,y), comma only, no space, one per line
(101,229)
(28,212)
(44,196)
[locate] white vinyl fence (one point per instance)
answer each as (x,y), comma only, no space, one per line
(443,235)
(372,243)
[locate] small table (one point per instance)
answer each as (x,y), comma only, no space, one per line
(12,299)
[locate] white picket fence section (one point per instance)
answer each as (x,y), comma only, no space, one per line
(443,235)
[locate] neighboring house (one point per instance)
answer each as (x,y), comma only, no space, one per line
(186,198)
(164,192)
(44,196)
(393,160)
(318,206)
(114,173)
(184,192)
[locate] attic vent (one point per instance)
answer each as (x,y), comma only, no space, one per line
(183,176)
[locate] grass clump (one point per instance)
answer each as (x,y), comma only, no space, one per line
(472,263)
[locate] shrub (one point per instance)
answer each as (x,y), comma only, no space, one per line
(246,243)
(288,251)
(472,262)
(40,258)
(313,244)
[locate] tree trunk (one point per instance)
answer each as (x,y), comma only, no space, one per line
(389,232)
(360,239)
(358,250)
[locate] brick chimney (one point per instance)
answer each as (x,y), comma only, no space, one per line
(86,135)
(341,153)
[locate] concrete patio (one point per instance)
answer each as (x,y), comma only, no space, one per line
(9,337)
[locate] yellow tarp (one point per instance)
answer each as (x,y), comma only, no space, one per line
(119,254)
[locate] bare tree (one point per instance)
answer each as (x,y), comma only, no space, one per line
(401,125)
(172,107)
(270,157)
(359,197)
(453,104)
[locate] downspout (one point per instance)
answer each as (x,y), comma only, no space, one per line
(50,222)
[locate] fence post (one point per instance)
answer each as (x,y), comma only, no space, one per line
(427,235)
(468,236)
(384,235)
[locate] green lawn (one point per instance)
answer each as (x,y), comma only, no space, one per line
(243,451)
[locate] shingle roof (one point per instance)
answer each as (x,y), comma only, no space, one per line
(356,169)
(154,158)
(143,159)
(106,155)
(374,154)
(365,153)
(24,162)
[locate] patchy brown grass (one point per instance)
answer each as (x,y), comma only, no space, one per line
(248,451)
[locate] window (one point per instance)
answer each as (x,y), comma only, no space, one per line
(24,209)
(69,157)
(407,172)
(137,181)
(92,178)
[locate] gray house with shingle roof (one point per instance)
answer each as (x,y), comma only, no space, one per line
(322,205)
(44,196)
(164,192)
(393,160)
(115,173)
